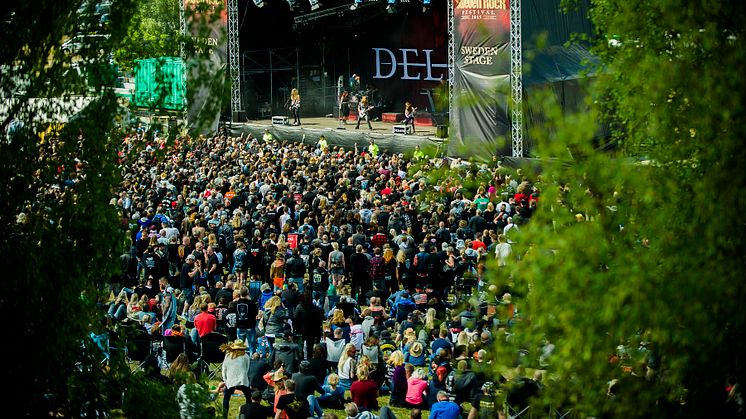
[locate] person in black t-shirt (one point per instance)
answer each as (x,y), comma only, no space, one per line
(246,311)
(294,407)
(255,409)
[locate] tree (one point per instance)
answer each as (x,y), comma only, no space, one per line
(152,32)
(640,294)
(61,237)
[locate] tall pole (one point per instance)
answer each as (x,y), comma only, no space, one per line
(233,59)
(451,60)
(516,79)
(182,54)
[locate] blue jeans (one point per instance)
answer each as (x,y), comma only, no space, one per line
(344,383)
(118,311)
(188,293)
(249,336)
(314,407)
(298,282)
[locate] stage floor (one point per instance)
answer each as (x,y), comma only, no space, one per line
(322,123)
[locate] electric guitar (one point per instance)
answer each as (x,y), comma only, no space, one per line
(410,115)
(364,111)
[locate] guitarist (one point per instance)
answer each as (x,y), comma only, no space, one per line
(363,111)
(295,106)
(409,115)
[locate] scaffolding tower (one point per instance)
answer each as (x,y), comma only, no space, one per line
(516,79)
(234,62)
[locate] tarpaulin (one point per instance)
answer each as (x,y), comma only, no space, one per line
(481,78)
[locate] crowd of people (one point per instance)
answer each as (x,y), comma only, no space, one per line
(337,276)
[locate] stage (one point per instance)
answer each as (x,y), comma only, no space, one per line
(312,128)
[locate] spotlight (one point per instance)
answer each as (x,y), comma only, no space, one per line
(391,8)
(315,4)
(259,3)
(293,5)
(425,6)
(356,4)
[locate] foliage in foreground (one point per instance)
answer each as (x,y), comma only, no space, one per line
(644,291)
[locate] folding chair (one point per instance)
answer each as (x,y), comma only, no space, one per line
(211,357)
(173,346)
(517,412)
(139,347)
(555,413)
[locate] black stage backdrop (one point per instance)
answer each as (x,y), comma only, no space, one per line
(398,57)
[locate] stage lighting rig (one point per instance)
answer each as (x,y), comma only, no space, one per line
(294,6)
(391,8)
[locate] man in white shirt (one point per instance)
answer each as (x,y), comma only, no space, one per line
(507,228)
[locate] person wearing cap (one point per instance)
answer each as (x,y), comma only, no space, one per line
(276,380)
(484,405)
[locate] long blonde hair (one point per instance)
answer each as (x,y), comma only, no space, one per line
(294,94)
(338,316)
(430,319)
(346,356)
(396,358)
(388,254)
(273,304)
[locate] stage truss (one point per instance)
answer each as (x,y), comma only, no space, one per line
(451,59)
(516,79)
(516,73)
(234,60)
(182,52)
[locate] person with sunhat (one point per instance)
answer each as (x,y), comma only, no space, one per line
(235,372)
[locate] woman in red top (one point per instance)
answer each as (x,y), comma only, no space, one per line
(364,391)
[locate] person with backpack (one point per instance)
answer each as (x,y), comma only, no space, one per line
(295,269)
(240,263)
(308,320)
(246,311)
(421,265)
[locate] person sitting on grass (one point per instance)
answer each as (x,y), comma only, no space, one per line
(353,412)
(444,408)
(255,409)
(398,379)
(416,386)
(364,391)
(292,406)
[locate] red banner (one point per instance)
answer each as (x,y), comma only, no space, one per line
(293,240)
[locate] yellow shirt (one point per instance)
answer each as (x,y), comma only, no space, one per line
(373,150)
